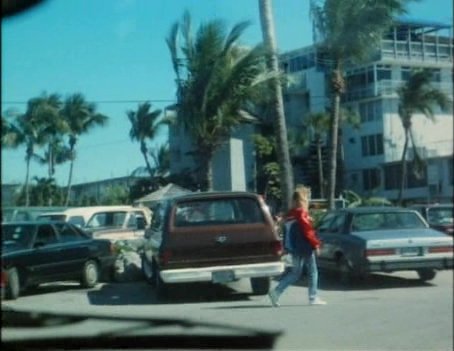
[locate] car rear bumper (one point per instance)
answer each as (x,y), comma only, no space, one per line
(388,266)
(205,274)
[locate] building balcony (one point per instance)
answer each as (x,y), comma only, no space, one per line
(417,51)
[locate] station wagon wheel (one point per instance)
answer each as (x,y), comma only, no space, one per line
(90,274)
(260,286)
(426,274)
(13,284)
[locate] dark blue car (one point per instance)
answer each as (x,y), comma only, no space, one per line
(42,252)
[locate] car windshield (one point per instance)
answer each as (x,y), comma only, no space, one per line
(107,219)
(17,234)
(386,221)
(440,215)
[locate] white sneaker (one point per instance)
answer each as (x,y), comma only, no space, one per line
(273,298)
(317,301)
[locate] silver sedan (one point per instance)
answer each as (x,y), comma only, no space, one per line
(362,240)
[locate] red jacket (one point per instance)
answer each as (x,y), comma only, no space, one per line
(305,223)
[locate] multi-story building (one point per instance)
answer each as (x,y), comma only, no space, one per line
(372,153)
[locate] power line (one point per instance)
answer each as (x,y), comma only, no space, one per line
(100,101)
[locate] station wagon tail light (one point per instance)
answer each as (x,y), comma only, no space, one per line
(440,249)
(380,252)
(276,247)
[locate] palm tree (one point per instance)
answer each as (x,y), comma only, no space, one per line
(417,95)
(145,124)
(286,172)
(161,158)
(28,131)
(215,79)
(317,125)
(81,117)
(46,114)
(351,30)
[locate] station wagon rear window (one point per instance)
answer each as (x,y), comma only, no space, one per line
(222,211)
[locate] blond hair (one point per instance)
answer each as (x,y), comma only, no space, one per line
(301,196)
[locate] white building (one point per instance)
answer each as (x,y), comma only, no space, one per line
(372,153)
(233,164)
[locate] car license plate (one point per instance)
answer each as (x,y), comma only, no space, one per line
(223,276)
(410,251)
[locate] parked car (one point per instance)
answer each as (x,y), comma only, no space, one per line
(439,216)
(121,223)
(37,252)
(358,241)
(216,237)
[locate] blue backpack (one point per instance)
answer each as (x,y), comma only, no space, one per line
(294,241)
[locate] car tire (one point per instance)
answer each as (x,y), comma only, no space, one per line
(13,284)
(426,274)
(147,271)
(161,288)
(345,273)
(260,286)
(90,274)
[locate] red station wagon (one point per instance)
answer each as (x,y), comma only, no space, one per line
(212,236)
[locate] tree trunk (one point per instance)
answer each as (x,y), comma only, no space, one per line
(70,177)
(286,172)
(144,150)
(321,180)
(27,181)
(403,163)
(337,88)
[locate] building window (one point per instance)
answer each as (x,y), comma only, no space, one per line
(370,111)
(405,73)
(383,72)
(371,178)
(393,177)
(372,145)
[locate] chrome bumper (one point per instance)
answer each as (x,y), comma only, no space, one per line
(237,271)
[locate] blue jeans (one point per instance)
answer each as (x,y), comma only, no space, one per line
(294,274)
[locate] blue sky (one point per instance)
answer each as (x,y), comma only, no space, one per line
(114,52)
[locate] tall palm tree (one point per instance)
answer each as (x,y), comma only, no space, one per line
(317,125)
(417,95)
(350,30)
(161,158)
(46,114)
(145,124)
(269,39)
(26,130)
(80,116)
(215,78)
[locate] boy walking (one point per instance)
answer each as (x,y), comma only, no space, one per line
(303,245)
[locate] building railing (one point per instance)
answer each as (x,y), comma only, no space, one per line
(419,51)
